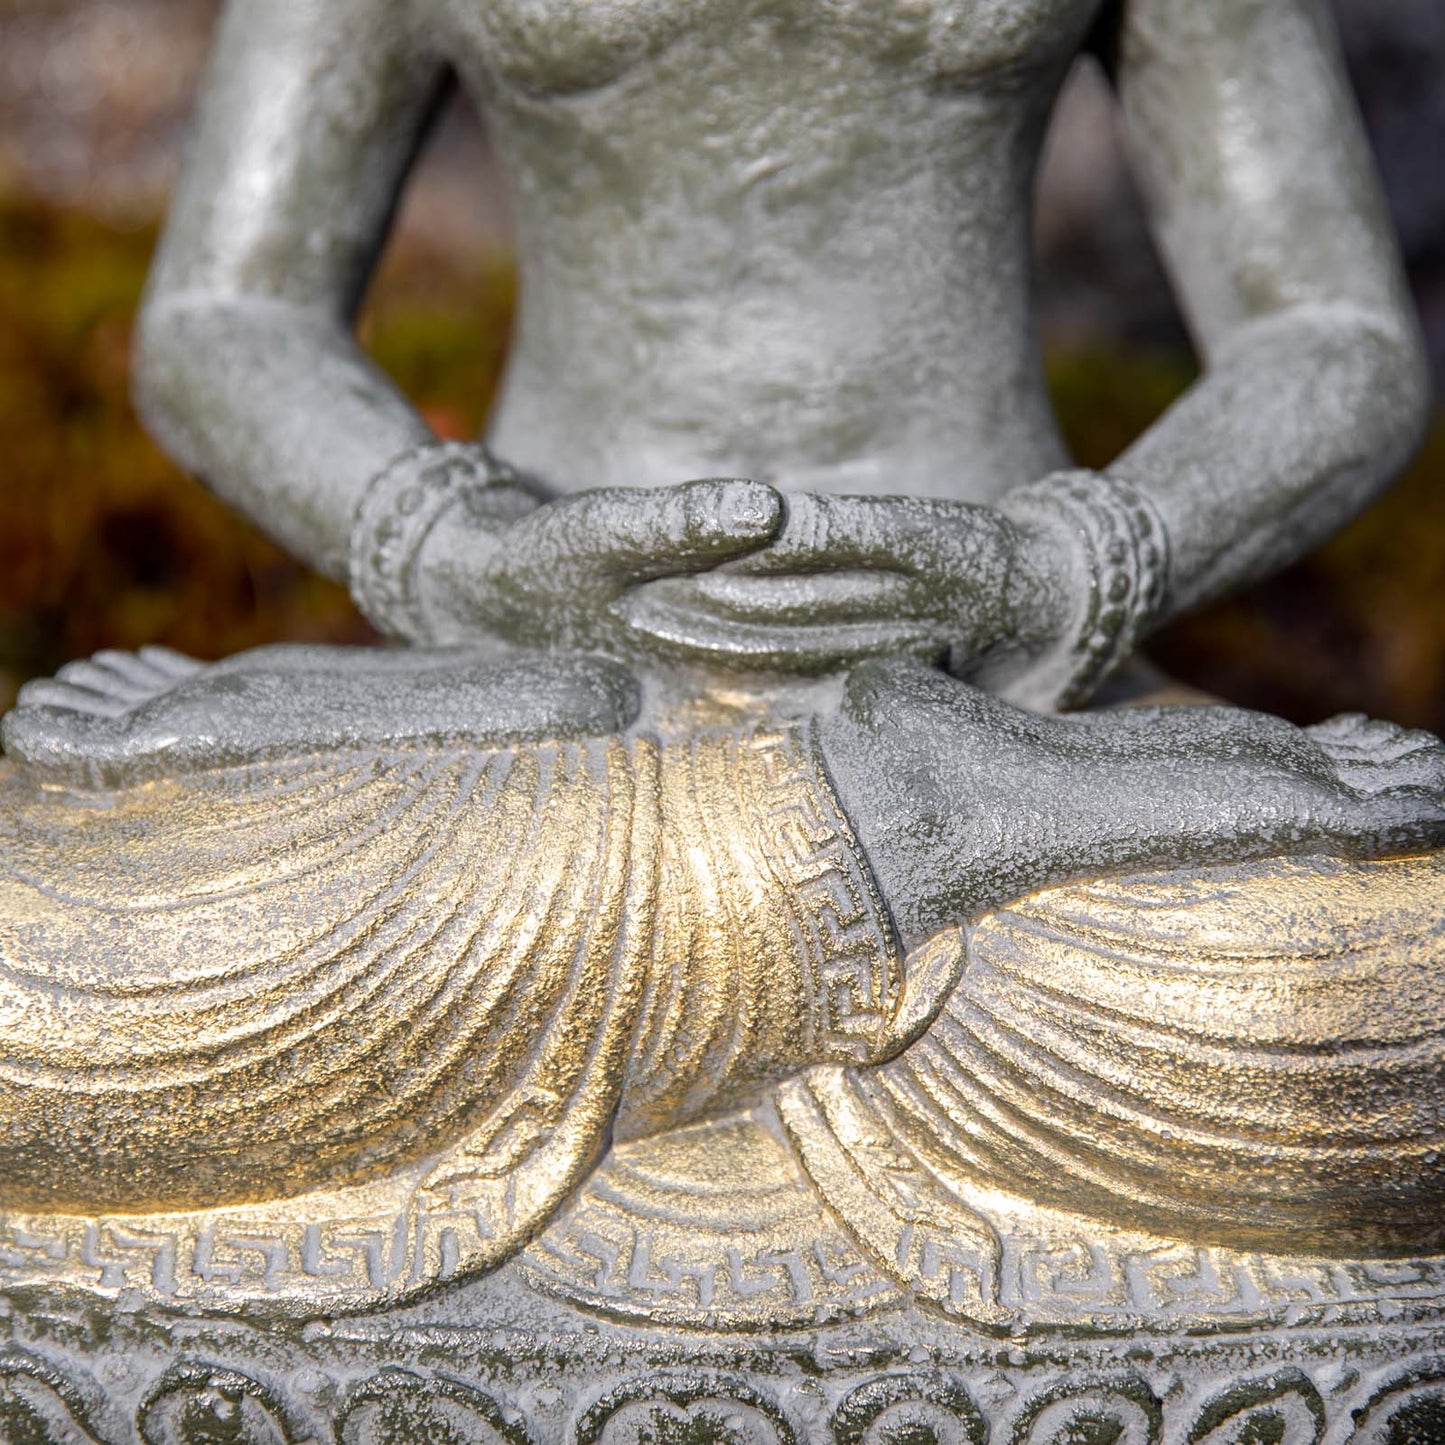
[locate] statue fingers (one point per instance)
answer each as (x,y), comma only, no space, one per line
(913,536)
(677,623)
(821,533)
(800,599)
(632,534)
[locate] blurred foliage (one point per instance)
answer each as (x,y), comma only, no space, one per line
(104,544)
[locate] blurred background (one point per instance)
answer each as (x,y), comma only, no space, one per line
(104,544)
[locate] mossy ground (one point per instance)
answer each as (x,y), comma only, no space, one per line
(104,544)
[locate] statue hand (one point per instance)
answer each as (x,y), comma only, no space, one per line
(557,574)
(852,577)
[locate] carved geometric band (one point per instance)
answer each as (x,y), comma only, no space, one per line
(396,515)
(1125,554)
(852,957)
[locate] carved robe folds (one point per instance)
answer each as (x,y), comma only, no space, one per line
(411,997)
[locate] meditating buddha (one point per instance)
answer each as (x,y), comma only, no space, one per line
(775,797)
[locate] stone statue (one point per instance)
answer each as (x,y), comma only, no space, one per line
(461,976)
(792,247)
(717,984)
(471,916)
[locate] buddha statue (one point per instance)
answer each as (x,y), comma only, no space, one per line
(788,243)
(725,911)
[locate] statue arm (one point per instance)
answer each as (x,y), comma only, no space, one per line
(247,371)
(1264,199)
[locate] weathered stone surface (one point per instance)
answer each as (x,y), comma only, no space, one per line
(493,1366)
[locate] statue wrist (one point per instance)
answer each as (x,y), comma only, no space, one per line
(1108,554)
(422,520)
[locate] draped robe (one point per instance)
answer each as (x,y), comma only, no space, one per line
(412,996)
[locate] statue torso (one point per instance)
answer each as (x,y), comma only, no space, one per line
(565,47)
(730,271)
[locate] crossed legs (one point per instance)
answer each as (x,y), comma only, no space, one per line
(962,802)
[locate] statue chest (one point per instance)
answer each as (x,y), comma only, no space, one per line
(557,47)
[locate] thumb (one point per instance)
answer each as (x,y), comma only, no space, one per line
(639,534)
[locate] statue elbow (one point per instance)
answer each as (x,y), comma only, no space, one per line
(166,367)
(1402,386)
(1377,388)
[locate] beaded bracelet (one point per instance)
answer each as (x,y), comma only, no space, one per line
(397,513)
(1124,551)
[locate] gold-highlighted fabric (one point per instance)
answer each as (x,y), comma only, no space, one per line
(1250,1056)
(406,997)
(756,850)
(237,985)
(330,1031)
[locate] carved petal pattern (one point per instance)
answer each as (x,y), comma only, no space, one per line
(684,1410)
(40,1406)
(1410,1410)
(400,1405)
(200,1404)
(1104,1411)
(909,1410)
(1284,1408)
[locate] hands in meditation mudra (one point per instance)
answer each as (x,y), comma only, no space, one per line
(766,805)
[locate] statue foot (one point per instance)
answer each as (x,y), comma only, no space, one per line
(964,804)
(124,718)
(1389,784)
(1373,758)
(110,684)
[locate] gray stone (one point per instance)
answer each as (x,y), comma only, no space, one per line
(716,985)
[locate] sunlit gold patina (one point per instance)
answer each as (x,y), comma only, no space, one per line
(328,1031)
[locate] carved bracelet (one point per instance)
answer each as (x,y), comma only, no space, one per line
(397,513)
(1124,549)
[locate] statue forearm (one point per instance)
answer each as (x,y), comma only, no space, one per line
(1305,417)
(1315,389)
(246,370)
(277,409)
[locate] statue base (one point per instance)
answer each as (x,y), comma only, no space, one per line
(1360,1359)
(695,1292)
